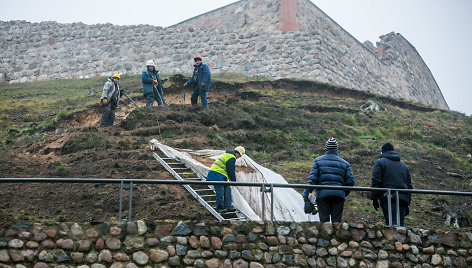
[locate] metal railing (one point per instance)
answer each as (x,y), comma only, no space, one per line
(265,188)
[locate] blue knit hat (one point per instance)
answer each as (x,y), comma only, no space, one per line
(387,147)
(332,144)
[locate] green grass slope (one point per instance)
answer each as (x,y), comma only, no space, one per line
(283,124)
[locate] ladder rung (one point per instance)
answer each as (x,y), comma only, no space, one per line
(189,173)
(229,212)
(202,190)
(177,163)
(167,158)
(212,195)
(235,219)
(211,201)
(181,168)
(191,178)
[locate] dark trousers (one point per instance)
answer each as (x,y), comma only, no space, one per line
(330,207)
(108,116)
(223,193)
(403,209)
(150,97)
(197,91)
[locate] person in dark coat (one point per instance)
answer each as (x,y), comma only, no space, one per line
(201,81)
(224,169)
(152,85)
(109,100)
(390,172)
(330,169)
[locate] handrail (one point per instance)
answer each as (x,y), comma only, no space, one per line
(229,183)
(265,188)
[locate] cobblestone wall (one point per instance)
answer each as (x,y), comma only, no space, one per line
(219,244)
(275,38)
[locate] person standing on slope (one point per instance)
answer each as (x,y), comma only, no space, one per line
(201,81)
(330,169)
(224,169)
(390,172)
(152,86)
(110,98)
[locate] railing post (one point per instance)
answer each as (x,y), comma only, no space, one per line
(121,201)
(265,190)
(130,200)
(398,207)
(271,202)
(389,201)
(263,201)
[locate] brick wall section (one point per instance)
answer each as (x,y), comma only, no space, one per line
(273,38)
(222,244)
(288,16)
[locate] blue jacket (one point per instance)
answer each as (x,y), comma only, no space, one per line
(330,169)
(146,79)
(390,172)
(203,76)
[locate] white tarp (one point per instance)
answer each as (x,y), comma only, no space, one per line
(288,203)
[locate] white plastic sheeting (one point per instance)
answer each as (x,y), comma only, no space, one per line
(288,203)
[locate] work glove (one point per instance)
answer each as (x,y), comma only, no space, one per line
(105,101)
(315,210)
(309,207)
(203,84)
(375,204)
(185,84)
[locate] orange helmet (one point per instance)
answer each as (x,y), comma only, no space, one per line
(197,57)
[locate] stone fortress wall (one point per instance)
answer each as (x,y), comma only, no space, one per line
(273,38)
(225,244)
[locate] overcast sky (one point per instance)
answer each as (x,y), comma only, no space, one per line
(438,29)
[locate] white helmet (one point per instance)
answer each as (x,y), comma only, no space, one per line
(150,63)
(240,150)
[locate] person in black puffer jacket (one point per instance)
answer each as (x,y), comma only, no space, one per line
(330,169)
(390,172)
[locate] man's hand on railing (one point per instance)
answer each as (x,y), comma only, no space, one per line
(375,204)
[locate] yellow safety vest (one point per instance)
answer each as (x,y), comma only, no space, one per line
(220,164)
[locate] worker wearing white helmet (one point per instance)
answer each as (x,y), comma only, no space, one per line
(224,169)
(152,86)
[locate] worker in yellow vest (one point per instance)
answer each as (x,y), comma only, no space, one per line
(224,169)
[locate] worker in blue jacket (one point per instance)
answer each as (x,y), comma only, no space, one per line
(330,169)
(152,86)
(201,81)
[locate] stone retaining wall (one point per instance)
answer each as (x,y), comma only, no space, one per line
(224,244)
(274,38)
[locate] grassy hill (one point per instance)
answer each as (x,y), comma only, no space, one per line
(283,124)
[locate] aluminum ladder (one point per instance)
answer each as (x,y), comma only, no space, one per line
(205,194)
